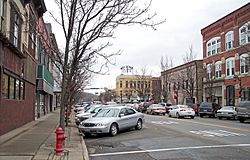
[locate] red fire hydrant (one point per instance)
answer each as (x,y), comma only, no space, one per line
(60,137)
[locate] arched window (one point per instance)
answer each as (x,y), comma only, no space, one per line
(244,63)
(213,46)
(230,66)
(244,33)
(229,38)
(218,69)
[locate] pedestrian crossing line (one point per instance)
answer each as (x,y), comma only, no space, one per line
(167,149)
(219,133)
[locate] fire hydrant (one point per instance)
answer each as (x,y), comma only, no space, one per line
(60,137)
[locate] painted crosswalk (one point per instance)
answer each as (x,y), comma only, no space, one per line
(218,133)
(164,122)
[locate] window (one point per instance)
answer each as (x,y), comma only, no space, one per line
(13,88)
(244,33)
(229,40)
(244,63)
(218,69)
(5,86)
(213,46)
(126,84)
(16,29)
(17,89)
(120,84)
(131,84)
(135,84)
(230,66)
(209,71)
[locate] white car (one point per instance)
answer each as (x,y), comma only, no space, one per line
(227,112)
(180,111)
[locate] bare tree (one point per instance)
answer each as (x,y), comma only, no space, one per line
(166,64)
(187,76)
(87,25)
(143,84)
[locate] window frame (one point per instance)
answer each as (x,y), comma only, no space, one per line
(218,69)
(244,56)
(209,71)
(229,40)
(244,38)
(213,46)
(230,62)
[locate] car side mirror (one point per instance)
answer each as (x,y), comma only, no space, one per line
(121,115)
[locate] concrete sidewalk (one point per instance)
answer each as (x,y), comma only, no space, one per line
(36,141)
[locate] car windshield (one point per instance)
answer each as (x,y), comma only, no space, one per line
(110,112)
(227,108)
(184,107)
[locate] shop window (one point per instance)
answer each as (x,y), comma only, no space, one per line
(5,86)
(17,89)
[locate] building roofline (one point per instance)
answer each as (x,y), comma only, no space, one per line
(225,16)
(194,61)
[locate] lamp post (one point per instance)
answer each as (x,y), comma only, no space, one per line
(239,79)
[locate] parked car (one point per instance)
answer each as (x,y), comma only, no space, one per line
(243,111)
(166,105)
(156,109)
(180,111)
(168,108)
(143,107)
(88,113)
(227,112)
(112,120)
(209,109)
(195,107)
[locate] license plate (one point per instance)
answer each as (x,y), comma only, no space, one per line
(189,112)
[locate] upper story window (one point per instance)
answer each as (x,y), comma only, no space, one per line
(218,69)
(244,33)
(120,84)
(209,71)
(16,29)
(213,46)
(126,84)
(229,38)
(230,66)
(244,63)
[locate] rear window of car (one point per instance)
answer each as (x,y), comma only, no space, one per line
(207,105)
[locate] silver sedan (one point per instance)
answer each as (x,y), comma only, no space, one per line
(111,120)
(227,112)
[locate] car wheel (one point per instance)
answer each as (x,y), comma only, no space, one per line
(192,117)
(169,115)
(87,134)
(139,125)
(164,114)
(113,129)
(241,120)
(201,115)
(219,117)
(177,115)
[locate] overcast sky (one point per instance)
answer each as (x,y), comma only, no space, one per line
(143,47)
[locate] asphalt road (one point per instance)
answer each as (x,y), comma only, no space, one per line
(176,139)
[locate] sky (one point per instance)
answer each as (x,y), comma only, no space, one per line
(143,47)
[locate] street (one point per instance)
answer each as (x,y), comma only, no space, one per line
(163,137)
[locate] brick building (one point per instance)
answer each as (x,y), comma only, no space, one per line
(183,84)
(18,62)
(226,49)
(156,89)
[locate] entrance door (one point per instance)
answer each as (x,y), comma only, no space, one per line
(230,90)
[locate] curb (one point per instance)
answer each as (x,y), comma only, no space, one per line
(84,149)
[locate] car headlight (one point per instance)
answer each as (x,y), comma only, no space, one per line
(101,124)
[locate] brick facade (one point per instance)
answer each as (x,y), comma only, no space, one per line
(232,85)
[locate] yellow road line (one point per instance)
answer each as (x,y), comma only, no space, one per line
(214,125)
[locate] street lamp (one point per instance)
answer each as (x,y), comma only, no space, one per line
(239,79)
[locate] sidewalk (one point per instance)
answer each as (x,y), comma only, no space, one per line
(36,141)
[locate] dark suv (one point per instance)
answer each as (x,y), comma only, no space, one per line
(143,107)
(209,109)
(243,111)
